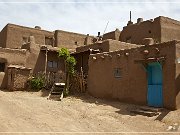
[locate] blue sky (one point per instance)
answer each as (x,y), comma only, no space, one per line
(83,16)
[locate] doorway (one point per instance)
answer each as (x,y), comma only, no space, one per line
(155,95)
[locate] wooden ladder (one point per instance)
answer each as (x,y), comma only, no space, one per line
(56,91)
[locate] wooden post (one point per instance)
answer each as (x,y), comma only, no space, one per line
(46,62)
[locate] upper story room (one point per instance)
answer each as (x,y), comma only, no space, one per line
(160,29)
(15,36)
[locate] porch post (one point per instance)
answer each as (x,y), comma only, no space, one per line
(45,69)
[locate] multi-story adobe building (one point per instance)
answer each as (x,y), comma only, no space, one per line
(139,64)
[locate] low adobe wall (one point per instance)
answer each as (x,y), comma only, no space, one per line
(131,87)
(11,56)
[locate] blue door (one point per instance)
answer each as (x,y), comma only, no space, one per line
(154,96)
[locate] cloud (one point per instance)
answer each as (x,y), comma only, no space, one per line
(83,16)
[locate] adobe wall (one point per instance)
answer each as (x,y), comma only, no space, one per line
(12,56)
(115,45)
(135,33)
(16,33)
(115,35)
(102,46)
(3,37)
(132,86)
(69,39)
(17,78)
(82,53)
(36,59)
(170,29)
(177,61)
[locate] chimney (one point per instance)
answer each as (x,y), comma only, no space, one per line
(37,27)
(139,20)
(99,34)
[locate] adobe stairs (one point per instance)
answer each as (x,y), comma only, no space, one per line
(147,111)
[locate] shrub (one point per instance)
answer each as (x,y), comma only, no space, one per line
(36,83)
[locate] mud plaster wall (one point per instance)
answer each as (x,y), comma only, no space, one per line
(170,29)
(68,39)
(108,45)
(36,59)
(135,33)
(13,56)
(53,56)
(112,35)
(103,47)
(16,33)
(177,61)
(132,86)
(3,37)
(19,78)
(116,45)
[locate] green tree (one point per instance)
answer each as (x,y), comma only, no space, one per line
(69,62)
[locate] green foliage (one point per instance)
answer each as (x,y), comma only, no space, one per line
(70,62)
(36,83)
(63,52)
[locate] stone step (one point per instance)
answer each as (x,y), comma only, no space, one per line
(145,113)
(56,93)
(150,109)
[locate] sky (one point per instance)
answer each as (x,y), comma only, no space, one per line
(83,16)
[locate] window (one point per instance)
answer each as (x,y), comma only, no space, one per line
(128,39)
(2,67)
(48,41)
(76,43)
(52,64)
(25,40)
(117,73)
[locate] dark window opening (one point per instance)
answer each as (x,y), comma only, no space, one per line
(52,64)
(128,39)
(48,41)
(149,31)
(2,67)
(117,73)
(25,40)
(76,43)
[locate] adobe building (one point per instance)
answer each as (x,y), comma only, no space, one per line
(160,29)
(139,64)
(34,49)
(146,75)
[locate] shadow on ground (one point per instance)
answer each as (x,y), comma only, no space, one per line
(123,108)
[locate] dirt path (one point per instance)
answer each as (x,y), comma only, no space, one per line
(29,112)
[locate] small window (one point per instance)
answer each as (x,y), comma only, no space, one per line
(117,73)
(2,67)
(128,39)
(149,31)
(52,64)
(48,41)
(25,40)
(76,43)
(55,64)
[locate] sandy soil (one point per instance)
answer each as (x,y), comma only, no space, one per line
(32,112)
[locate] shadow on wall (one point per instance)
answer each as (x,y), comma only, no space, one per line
(40,63)
(178,91)
(4,77)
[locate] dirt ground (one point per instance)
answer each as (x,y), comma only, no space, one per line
(28,112)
